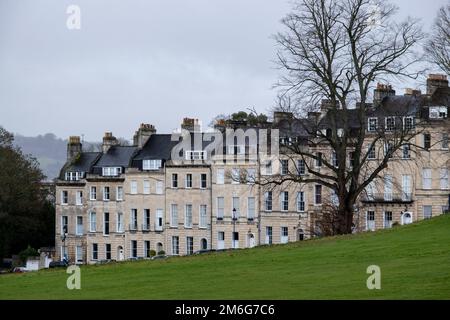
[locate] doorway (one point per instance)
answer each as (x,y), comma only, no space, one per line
(120,253)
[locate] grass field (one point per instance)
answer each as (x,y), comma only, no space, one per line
(414,262)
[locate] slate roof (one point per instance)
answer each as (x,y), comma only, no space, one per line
(83,163)
(117,156)
(158,146)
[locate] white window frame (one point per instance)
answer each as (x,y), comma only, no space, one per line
(443,177)
(203,180)
(406,151)
(220,176)
(444,141)
(79,256)
(427,178)
(388,187)
(284,204)
(106,193)
(235,204)
(408,125)
(268,168)
(284,167)
(93,193)
(372,127)
(431,211)
(174,215)
(251,207)
(268,201)
(79,230)
(111,171)
(220,207)
(195,155)
(133,187)
(203,216)
(146,187)
(159,187)
(235,176)
(79,198)
(188,181)
(389,127)
(284,234)
(301,203)
(406,187)
(370,223)
(92,221)
(251,176)
(151,164)
(159,221)
(64,197)
(301,167)
(119,193)
(175,245)
(371,152)
(387,223)
(317,203)
(174,178)
(119,223)
(188,216)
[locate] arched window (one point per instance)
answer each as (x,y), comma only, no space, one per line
(203,244)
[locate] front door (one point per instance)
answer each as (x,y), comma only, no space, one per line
(221,240)
(407,218)
(251,240)
(120,254)
(300,235)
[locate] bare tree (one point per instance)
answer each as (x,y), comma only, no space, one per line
(438,46)
(334,51)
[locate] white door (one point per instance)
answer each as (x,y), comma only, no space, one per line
(251,240)
(221,241)
(407,218)
(121,256)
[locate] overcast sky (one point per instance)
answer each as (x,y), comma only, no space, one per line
(134,61)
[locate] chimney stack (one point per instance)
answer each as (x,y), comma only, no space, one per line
(192,125)
(382,91)
(412,92)
(108,141)
(436,81)
(282,115)
(74,147)
(142,135)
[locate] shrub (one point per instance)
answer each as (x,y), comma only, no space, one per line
(396,224)
(161,253)
(28,252)
(152,253)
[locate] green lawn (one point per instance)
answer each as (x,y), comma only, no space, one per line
(414,262)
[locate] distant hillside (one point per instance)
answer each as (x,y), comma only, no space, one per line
(49,150)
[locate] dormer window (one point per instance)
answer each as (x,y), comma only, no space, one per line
(111,171)
(408,123)
(195,155)
(390,124)
(74,176)
(438,112)
(151,164)
(372,124)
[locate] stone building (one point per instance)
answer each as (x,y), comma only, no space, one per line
(185,192)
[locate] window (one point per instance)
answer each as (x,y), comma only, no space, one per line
(284,198)
(406,151)
(203,181)
(372,124)
(64,224)
(146,187)
(174,180)
(235,205)
(250,208)
(387,219)
(251,176)
(111,171)
(74,176)
(105,193)
(438,112)
(93,193)
(106,223)
(408,123)
(351,159)
(444,209)
(268,201)
(159,187)
(147,249)
(301,201)
(371,155)
(220,207)
(235,239)
(133,187)
(133,219)
(426,141)
(444,141)
(269,238)
(318,194)
(334,198)
(133,249)
(443,176)
(79,226)
(119,227)
(370,191)
(370,220)
(388,188)
(151,164)
(390,124)
(235,175)
(284,167)
(174,215)
(64,197)
(388,149)
(159,220)
(188,216)
(203,216)
(301,167)
(318,161)
(189,245)
(175,245)
(146,225)
(92,222)
(268,167)
(79,198)
(94,251)
(203,244)
(119,195)
(406,188)
(220,240)
(427,212)
(220,179)
(195,155)
(189,180)
(79,254)
(334,159)
(426,178)
(108,251)
(284,235)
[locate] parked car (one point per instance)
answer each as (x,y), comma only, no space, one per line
(57,264)
(159,257)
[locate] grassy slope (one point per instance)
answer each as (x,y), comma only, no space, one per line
(414,261)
